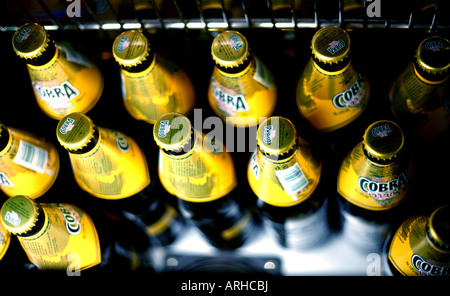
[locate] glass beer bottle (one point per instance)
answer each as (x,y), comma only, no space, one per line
(54,236)
(111,166)
(241,87)
(373,182)
(420,95)
(63,80)
(151,85)
(420,246)
(201,175)
(61,236)
(28,164)
(331,92)
(284,173)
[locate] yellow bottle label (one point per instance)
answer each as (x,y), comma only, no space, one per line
(28,165)
(374,187)
(421,104)
(249,94)
(116,168)
(203,174)
(412,254)
(329,101)
(287,182)
(68,239)
(5,239)
(161,88)
(66,84)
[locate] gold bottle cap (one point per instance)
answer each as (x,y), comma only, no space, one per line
(330,44)
(439,227)
(30,40)
(229,49)
(75,131)
(433,55)
(172,131)
(19,214)
(276,135)
(383,139)
(130,48)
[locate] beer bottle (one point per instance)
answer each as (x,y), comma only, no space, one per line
(420,246)
(372,183)
(151,84)
(331,92)
(60,236)
(111,166)
(28,164)
(63,80)
(419,96)
(241,87)
(54,236)
(200,173)
(284,173)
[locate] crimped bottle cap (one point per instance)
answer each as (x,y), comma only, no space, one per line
(130,48)
(230,49)
(276,135)
(172,131)
(330,44)
(439,227)
(30,40)
(433,55)
(75,131)
(19,214)
(383,139)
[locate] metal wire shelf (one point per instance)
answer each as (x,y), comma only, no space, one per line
(189,15)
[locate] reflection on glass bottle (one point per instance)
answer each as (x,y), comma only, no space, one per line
(63,80)
(151,84)
(373,181)
(241,88)
(420,96)
(420,246)
(284,173)
(111,166)
(197,170)
(28,164)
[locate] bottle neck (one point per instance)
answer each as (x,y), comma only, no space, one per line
(91,145)
(45,57)
(238,69)
(381,162)
(278,157)
(142,66)
(4,137)
(334,67)
(428,77)
(435,243)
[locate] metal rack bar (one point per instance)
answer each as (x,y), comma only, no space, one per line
(316,21)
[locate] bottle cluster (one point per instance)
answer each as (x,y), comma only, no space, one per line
(294,181)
